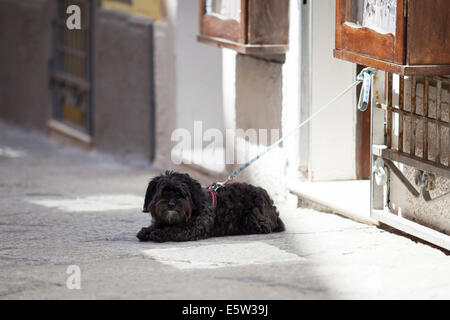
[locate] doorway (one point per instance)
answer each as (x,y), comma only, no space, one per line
(362,137)
(334,148)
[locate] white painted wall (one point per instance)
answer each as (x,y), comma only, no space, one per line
(261,94)
(188,86)
(332,135)
(198,72)
(229,87)
(291,92)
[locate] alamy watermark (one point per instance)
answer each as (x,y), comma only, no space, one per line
(73,22)
(74,279)
(215,145)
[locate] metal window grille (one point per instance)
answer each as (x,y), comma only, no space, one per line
(71,72)
(417,130)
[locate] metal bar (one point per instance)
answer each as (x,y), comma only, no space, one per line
(377,138)
(438,117)
(443,148)
(72,51)
(71,80)
(82,47)
(443,79)
(76,46)
(69,44)
(400,114)
(80,62)
(389,113)
(402,178)
(413,228)
(417,162)
(425,122)
(412,131)
(438,197)
(65,40)
(416,116)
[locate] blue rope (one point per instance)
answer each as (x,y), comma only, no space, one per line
(365,76)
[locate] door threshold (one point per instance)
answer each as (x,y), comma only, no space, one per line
(350,199)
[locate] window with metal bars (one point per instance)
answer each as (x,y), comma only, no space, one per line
(71,72)
(417,124)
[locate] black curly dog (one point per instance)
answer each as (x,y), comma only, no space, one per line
(182,210)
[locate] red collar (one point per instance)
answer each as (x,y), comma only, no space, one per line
(213,197)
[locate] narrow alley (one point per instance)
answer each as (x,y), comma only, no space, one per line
(61,206)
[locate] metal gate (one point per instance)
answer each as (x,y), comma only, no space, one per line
(71,67)
(411,130)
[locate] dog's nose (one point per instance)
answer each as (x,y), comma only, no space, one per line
(171,203)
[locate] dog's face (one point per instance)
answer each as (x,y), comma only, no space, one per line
(171,198)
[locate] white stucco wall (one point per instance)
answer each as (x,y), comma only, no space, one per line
(259,105)
(290,117)
(434,214)
(198,72)
(332,133)
(188,87)
(266,96)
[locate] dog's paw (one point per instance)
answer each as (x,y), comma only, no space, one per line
(157,235)
(142,235)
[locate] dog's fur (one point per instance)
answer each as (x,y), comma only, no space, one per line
(182,210)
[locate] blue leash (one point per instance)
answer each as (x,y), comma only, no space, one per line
(365,76)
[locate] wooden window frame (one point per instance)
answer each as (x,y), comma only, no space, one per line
(232,30)
(365,41)
(415,49)
(248,36)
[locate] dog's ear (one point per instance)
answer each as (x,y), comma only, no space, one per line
(196,192)
(150,193)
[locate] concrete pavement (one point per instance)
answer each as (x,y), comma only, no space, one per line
(61,206)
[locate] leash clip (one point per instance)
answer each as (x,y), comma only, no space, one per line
(366,77)
(216,186)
